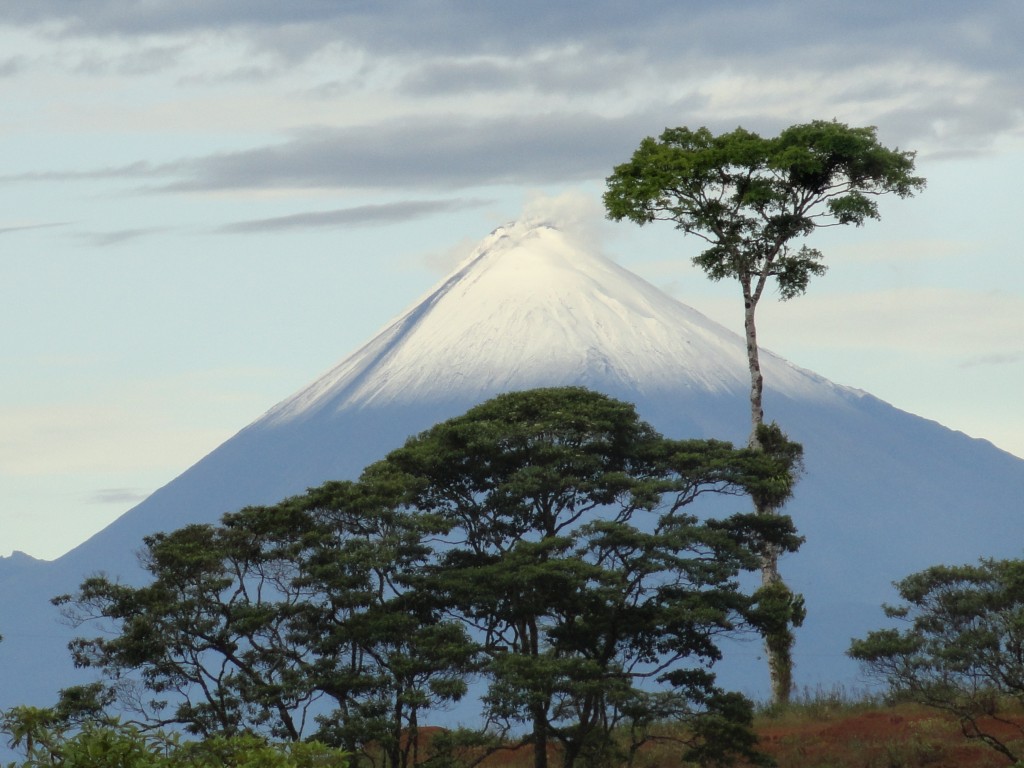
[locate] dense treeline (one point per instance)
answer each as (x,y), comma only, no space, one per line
(540,550)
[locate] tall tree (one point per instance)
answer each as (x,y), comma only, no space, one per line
(597,598)
(753,200)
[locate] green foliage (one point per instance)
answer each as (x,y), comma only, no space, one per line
(751,198)
(210,632)
(249,751)
(46,739)
(569,550)
(961,650)
(256,624)
(541,541)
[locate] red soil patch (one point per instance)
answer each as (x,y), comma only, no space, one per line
(903,736)
(900,736)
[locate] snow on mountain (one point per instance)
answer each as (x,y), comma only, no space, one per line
(529,307)
(884,493)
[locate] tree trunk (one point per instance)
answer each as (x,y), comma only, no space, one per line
(540,738)
(539,712)
(394,750)
(754,365)
(778,645)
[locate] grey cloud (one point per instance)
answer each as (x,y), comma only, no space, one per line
(151,59)
(144,60)
(414,153)
(247,74)
(415,25)
(359,215)
(957,124)
(116,237)
(573,72)
(736,29)
(455,76)
(137,170)
(118,496)
(993,360)
(445,47)
(10,66)
(457,152)
(423,154)
(25,227)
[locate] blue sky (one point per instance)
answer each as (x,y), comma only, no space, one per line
(205,204)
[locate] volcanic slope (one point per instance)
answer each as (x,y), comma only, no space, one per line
(884,492)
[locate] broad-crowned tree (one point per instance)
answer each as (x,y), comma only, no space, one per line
(754,201)
(278,614)
(570,553)
(205,643)
(961,649)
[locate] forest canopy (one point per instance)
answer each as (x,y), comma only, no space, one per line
(540,551)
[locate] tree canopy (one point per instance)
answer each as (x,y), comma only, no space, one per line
(754,199)
(542,543)
(750,197)
(961,648)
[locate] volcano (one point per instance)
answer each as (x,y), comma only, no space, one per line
(884,492)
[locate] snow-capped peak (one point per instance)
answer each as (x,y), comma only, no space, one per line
(530,307)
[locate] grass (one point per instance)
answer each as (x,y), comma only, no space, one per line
(822,704)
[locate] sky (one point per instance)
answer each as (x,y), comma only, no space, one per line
(205,204)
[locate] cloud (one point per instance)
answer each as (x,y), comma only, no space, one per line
(10,66)
(450,152)
(571,71)
(142,61)
(574,211)
(26,227)
(385,213)
(996,359)
(432,154)
(116,237)
(120,496)
(579,83)
(986,31)
(136,170)
(580,214)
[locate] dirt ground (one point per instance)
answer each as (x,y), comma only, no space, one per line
(883,738)
(904,736)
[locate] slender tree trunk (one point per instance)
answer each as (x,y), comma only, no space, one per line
(778,645)
(754,365)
